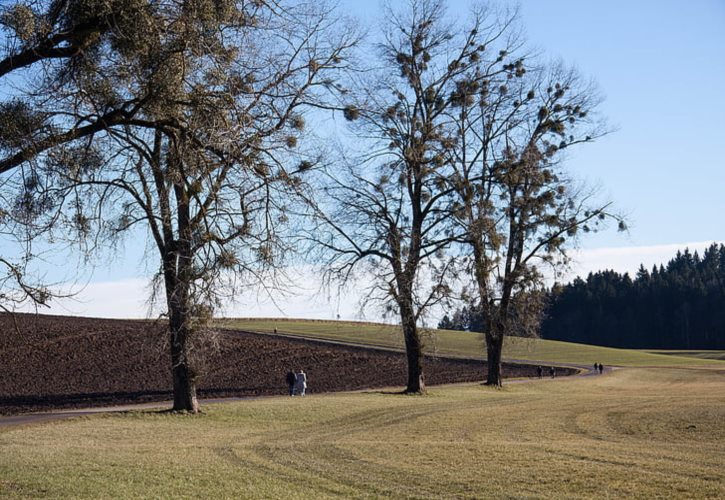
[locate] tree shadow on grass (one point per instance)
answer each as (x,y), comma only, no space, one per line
(401,392)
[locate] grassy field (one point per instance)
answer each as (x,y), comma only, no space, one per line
(637,432)
(447,342)
(719,355)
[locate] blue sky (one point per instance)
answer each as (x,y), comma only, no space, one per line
(661,67)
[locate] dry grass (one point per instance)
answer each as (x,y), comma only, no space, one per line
(634,433)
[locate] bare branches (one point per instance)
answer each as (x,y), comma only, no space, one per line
(515,206)
(393,204)
(191,113)
(16,289)
(462,137)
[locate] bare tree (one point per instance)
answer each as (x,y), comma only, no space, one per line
(392,204)
(517,208)
(44,41)
(465,131)
(209,97)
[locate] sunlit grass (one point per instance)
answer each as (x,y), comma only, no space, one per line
(719,355)
(455,343)
(634,433)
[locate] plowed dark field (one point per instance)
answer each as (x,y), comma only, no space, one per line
(49,362)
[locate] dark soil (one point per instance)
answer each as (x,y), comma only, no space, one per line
(52,362)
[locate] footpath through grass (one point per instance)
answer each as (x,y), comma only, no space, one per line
(455,343)
(634,433)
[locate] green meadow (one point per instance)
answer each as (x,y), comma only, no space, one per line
(719,355)
(466,344)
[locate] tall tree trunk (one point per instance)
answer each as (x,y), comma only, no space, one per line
(494,340)
(494,348)
(182,373)
(414,353)
(183,376)
(179,276)
(413,347)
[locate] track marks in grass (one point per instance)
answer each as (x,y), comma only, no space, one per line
(329,452)
(348,468)
(660,470)
(623,435)
(248,462)
(362,422)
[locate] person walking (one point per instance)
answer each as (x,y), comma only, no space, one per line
(601,368)
(301,383)
(291,379)
(552,371)
(596,367)
(540,371)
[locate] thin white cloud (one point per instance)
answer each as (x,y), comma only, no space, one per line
(128,298)
(628,259)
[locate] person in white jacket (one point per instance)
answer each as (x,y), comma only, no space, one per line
(301,383)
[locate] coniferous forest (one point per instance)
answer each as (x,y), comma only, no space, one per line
(680,305)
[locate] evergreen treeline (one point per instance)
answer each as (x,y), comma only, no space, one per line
(680,305)
(677,306)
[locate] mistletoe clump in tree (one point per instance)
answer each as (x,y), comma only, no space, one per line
(37,39)
(462,175)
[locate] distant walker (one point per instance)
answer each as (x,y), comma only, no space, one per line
(301,383)
(291,379)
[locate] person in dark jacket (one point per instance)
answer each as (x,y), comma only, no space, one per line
(540,371)
(291,379)
(552,371)
(601,368)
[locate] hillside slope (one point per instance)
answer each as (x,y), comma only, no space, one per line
(466,344)
(54,361)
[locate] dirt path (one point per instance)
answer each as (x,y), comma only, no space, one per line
(51,416)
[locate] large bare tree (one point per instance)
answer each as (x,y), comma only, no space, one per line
(517,208)
(392,202)
(465,131)
(200,106)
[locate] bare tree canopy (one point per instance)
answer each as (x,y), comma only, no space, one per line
(393,201)
(185,119)
(36,38)
(37,31)
(464,131)
(517,209)
(185,123)
(44,47)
